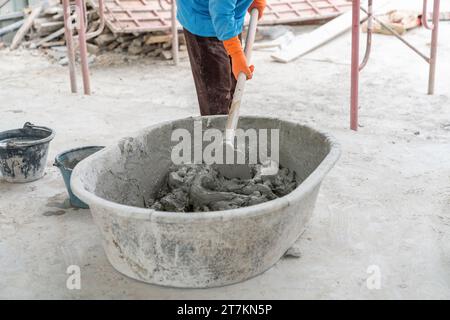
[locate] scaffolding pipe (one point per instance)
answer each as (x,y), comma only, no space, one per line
(355,66)
(433,50)
(424,18)
(173,11)
(69,45)
(369,35)
(81,28)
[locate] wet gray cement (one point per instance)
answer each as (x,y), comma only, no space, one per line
(200,188)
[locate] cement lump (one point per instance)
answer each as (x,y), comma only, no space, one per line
(201,188)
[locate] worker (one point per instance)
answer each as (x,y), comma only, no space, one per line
(212,31)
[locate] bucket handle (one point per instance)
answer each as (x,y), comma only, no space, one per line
(29,125)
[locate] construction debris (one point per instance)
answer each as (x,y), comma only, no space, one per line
(306,43)
(273,38)
(11,16)
(293,252)
(3,2)
(11,27)
(400,21)
(44,28)
(26,26)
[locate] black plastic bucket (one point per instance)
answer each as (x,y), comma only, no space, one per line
(23,153)
(66,161)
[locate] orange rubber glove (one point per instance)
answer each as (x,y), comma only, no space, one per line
(260,5)
(238,60)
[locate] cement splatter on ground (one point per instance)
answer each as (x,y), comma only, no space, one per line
(200,188)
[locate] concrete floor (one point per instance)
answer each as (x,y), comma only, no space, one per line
(386,203)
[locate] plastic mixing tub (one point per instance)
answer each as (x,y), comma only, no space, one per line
(200,249)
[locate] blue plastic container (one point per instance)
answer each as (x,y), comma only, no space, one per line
(66,161)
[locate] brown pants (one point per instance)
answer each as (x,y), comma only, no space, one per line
(211,68)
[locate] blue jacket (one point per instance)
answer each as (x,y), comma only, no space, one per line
(223,19)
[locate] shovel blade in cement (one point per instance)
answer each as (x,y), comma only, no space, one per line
(234,170)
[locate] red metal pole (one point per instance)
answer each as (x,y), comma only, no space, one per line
(69,45)
(81,25)
(433,53)
(355,65)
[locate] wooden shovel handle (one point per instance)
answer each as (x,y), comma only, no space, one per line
(233,115)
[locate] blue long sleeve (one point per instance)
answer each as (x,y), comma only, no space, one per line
(223,19)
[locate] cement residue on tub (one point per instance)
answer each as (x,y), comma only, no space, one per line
(200,188)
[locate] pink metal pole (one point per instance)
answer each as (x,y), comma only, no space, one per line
(69,45)
(425,16)
(355,66)
(369,35)
(81,27)
(433,53)
(173,11)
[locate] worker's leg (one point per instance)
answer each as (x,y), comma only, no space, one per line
(213,77)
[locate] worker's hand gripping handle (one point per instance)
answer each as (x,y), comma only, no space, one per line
(233,115)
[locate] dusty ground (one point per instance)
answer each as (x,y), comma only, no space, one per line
(385,204)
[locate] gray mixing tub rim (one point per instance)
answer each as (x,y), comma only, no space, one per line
(126,211)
